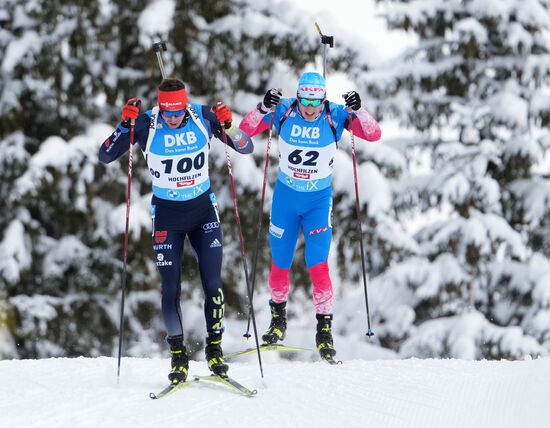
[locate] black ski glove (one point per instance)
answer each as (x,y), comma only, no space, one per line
(353,100)
(272,98)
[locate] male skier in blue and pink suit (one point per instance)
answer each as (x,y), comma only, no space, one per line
(309,128)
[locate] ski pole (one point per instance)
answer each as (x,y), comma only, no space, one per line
(241,240)
(325,40)
(260,217)
(358,214)
(158,48)
(125,260)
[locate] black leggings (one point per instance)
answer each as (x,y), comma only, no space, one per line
(198,219)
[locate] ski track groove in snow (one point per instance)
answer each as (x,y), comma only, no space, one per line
(83,392)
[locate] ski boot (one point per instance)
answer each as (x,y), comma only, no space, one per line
(323,338)
(277,328)
(180,360)
(214,355)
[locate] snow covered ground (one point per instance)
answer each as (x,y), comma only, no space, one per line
(83,392)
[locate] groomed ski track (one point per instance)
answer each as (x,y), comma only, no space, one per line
(83,392)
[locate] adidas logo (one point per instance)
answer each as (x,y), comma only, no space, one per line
(215,243)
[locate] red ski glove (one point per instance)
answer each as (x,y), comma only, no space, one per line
(130,110)
(223,113)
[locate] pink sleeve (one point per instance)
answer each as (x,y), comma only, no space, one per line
(365,126)
(253,123)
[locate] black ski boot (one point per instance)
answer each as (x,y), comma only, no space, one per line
(277,328)
(180,361)
(214,355)
(323,338)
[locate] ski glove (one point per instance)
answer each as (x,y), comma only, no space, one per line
(272,98)
(130,111)
(223,113)
(353,100)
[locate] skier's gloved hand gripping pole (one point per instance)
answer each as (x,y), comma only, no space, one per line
(223,124)
(271,99)
(353,103)
(130,113)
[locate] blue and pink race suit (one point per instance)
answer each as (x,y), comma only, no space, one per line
(302,196)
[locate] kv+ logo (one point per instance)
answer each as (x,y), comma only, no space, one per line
(181,139)
(304,132)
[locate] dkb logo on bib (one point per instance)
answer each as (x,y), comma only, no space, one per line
(304,132)
(181,139)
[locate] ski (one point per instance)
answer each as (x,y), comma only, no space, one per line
(265,348)
(169,390)
(232,383)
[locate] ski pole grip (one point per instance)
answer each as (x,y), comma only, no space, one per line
(325,40)
(159,46)
(328,40)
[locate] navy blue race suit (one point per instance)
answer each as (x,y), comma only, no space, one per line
(183,203)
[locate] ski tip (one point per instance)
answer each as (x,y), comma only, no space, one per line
(332,361)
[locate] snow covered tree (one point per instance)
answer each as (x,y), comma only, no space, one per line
(475,189)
